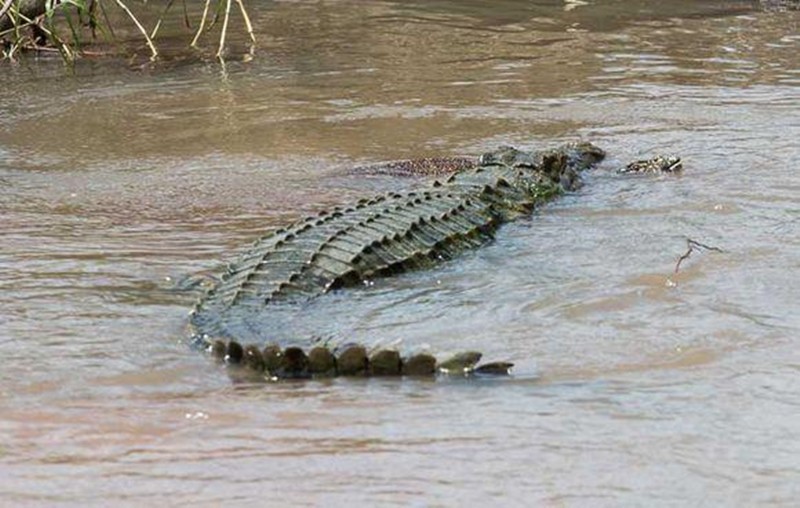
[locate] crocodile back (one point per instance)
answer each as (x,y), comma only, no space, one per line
(375,238)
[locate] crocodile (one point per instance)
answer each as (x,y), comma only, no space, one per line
(382,236)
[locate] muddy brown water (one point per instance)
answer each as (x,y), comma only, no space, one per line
(634,386)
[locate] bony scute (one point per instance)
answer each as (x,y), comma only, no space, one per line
(249,363)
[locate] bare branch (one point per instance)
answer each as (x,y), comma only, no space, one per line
(692,246)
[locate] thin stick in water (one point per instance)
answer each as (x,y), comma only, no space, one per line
(246,20)
(202,24)
(160,19)
(224,28)
(4,9)
(692,246)
(152,46)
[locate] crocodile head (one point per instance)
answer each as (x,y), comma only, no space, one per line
(508,156)
(560,166)
(577,156)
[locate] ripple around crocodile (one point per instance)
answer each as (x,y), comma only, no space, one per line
(387,234)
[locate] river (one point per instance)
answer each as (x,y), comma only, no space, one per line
(634,385)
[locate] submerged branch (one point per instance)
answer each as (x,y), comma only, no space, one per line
(692,246)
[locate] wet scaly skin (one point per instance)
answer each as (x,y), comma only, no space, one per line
(353,361)
(249,364)
(385,362)
(420,364)
(321,362)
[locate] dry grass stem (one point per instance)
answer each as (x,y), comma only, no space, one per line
(246,20)
(202,24)
(160,19)
(152,46)
(15,38)
(224,28)
(62,47)
(6,6)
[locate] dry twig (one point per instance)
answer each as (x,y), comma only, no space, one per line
(692,246)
